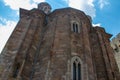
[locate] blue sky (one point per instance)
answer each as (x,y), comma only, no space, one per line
(104,13)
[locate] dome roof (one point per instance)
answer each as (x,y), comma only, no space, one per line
(45,7)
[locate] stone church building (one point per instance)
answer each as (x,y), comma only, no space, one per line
(57,45)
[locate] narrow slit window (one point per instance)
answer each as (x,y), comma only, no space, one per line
(76,28)
(74,71)
(79,72)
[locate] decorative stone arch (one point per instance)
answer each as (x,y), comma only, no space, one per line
(75,26)
(76,68)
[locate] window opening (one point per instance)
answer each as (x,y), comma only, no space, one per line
(76,69)
(75,27)
(79,72)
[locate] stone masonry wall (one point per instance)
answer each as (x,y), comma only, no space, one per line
(43,46)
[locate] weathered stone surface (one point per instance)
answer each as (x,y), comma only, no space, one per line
(43,47)
(115,44)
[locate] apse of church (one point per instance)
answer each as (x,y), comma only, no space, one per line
(57,45)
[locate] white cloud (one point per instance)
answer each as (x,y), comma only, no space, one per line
(5,31)
(26,4)
(38,1)
(103,3)
(86,6)
(98,24)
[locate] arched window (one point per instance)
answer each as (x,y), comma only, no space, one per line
(76,68)
(75,27)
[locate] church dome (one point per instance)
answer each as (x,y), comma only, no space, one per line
(45,7)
